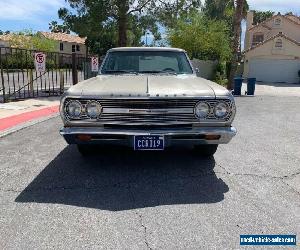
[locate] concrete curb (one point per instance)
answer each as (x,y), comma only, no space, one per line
(27,124)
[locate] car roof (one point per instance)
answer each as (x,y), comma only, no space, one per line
(147,49)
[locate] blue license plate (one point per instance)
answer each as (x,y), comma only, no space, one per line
(149,142)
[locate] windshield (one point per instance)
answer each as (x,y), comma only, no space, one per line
(156,62)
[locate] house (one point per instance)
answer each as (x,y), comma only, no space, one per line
(4,43)
(272,49)
(66,43)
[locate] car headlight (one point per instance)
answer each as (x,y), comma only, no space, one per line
(93,109)
(74,109)
(202,110)
(221,110)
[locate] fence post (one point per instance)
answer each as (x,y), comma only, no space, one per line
(74,69)
(31,80)
(85,68)
(2,76)
(61,81)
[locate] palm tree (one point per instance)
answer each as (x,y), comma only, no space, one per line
(237,19)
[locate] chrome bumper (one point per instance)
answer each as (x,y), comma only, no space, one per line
(194,136)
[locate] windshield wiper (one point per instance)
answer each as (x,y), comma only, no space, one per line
(121,72)
(157,72)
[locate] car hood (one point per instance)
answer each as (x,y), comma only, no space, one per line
(147,86)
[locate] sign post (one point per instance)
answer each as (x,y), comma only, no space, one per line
(95,64)
(40,62)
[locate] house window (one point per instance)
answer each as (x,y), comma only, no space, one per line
(61,46)
(277,22)
(278,44)
(257,38)
(77,48)
(73,48)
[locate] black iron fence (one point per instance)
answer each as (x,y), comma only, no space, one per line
(20,80)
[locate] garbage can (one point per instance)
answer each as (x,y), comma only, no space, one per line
(251,86)
(238,81)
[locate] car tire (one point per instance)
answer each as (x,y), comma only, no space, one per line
(84,150)
(206,150)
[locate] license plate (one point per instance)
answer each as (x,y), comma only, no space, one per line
(149,142)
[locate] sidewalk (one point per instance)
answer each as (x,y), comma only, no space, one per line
(16,114)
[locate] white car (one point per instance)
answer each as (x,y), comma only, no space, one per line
(148,99)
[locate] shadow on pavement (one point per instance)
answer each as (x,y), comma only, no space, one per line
(120,179)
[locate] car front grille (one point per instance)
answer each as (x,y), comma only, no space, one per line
(151,111)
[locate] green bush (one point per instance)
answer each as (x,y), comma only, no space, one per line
(23,60)
(220,74)
(202,38)
(18,60)
(221,79)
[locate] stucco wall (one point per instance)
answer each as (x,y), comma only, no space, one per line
(4,44)
(267,51)
(206,68)
(68,48)
(287,27)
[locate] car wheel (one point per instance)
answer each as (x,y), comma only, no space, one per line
(84,150)
(206,150)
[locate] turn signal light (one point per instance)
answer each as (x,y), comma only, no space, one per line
(212,137)
(84,137)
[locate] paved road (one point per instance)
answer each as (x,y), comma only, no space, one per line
(50,197)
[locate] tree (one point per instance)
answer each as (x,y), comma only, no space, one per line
(4,32)
(138,26)
(107,17)
(231,11)
(58,28)
(28,40)
(237,29)
(202,38)
(223,10)
(261,16)
(92,23)
(168,12)
(108,23)
(218,9)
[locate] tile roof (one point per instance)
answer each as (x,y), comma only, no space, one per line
(288,17)
(5,38)
(18,39)
(64,37)
(293,18)
(54,36)
(272,38)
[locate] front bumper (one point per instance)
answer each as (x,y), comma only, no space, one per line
(193,136)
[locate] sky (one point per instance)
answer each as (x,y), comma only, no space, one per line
(16,15)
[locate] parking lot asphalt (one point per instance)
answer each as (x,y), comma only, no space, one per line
(51,197)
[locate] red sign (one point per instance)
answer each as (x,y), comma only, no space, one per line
(40,58)
(40,62)
(95,64)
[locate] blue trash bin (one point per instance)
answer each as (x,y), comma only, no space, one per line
(238,82)
(251,86)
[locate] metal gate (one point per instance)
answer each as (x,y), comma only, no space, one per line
(19,79)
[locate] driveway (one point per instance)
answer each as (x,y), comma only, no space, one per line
(51,197)
(275,89)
